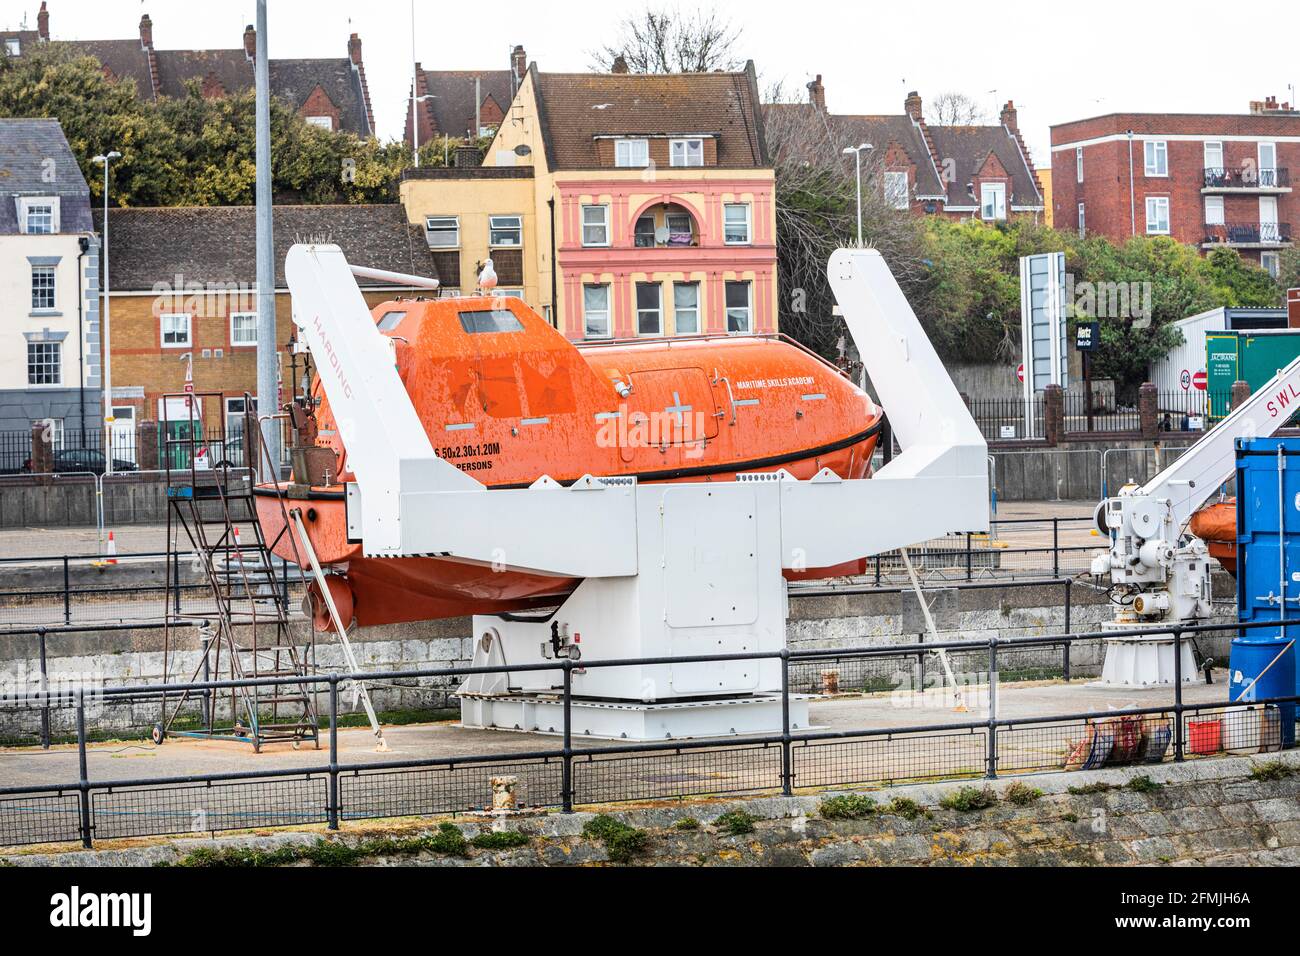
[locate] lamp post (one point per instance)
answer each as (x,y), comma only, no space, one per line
(415,125)
(856,152)
(105,160)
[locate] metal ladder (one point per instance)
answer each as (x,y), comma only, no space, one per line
(250,635)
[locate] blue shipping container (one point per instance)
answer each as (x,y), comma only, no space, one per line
(1268,541)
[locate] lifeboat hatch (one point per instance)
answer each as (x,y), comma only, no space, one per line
(669,407)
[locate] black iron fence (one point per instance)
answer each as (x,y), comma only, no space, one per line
(1248,233)
(1083,414)
(1246,177)
(54,448)
(1191,410)
(574,774)
(144,587)
(1008,419)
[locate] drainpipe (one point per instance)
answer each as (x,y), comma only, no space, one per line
(1132,201)
(83,243)
(555,272)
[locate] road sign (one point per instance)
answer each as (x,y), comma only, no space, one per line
(1087,336)
(1185,380)
(1201,381)
(1020,374)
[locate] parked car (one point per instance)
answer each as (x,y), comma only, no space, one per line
(82,461)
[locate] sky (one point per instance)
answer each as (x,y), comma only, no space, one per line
(1057,62)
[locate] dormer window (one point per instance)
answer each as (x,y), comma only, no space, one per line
(324,122)
(39,215)
(687,152)
(632,153)
(12,46)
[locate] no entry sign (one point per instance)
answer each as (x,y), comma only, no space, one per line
(1020,373)
(1201,381)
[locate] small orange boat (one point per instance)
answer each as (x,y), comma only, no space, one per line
(1216,525)
(506,398)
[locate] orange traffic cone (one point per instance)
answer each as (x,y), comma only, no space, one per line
(112,549)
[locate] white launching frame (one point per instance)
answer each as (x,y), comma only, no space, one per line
(669,570)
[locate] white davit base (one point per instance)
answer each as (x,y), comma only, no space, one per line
(628,720)
(1144,662)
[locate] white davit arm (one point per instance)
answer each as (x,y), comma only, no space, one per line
(387,446)
(1169,575)
(1191,480)
(939,482)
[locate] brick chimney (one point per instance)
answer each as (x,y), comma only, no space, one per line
(146,32)
(354,49)
(912,106)
(250,42)
(1009,119)
(817,93)
(620,64)
(1293,308)
(43,22)
(519,62)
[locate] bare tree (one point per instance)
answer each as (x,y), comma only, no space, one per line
(667,40)
(956,109)
(816,213)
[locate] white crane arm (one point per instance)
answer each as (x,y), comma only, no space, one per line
(1191,480)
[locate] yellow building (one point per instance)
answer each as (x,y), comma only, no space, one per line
(1045,177)
(617,205)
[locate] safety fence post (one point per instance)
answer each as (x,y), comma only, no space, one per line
(1065,655)
(1178,695)
(333,809)
(83,783)
(787,755)
(566,777)
(67,592)
(992,773)
(45,695)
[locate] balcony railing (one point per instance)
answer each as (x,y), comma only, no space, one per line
(1219,177)
(1248,233)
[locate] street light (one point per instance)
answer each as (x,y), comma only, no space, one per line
(105,159)
(856,152)
(415,125)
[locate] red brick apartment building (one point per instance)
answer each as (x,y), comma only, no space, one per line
(1206,179)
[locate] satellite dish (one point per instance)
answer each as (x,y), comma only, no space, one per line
(523,149)
(661,235)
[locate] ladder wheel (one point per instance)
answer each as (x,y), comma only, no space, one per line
(297,744)
(239,730)
(158,734)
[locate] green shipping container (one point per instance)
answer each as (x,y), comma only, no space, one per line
(1250,357)
(1221,369)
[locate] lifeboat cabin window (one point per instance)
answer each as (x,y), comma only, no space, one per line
(390,320)
(490,320)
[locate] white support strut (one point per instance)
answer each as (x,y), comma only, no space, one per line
(668,570)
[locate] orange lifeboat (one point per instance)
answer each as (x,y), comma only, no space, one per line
(1216,525)
(506,398)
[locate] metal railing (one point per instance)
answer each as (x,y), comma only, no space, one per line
(1005,419)
(1012,549)
(1246,177)
(1247,233)
(567,776)
(1079,418)
(75,601)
